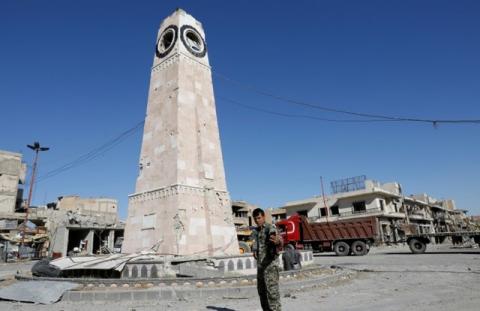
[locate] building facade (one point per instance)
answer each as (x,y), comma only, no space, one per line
(242,214)
(81,225)
(70,226)
(397,214)
(12,179)
(103,208)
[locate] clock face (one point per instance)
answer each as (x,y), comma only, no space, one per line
(193,41)
(167,40)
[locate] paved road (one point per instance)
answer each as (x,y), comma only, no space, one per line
(442,279)
(388,279)
(399,258)
(8,270)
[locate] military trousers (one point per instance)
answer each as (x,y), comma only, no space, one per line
(268,289)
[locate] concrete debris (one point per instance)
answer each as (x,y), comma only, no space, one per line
(28,291)
(43,268)
(38,238)
(197,270)
(86,220)
(106,262)
(8,224)
(168,265)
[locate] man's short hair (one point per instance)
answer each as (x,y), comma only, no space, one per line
(258,211)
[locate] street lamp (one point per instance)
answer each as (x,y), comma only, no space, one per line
(37,148)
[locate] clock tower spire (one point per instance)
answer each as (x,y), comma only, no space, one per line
(181,205)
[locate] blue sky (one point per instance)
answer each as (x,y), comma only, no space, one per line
(75,74)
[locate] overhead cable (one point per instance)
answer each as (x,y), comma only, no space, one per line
(259,91)
(94,153)
(301,116)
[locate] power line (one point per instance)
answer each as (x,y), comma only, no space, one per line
(249,87)
(259,91)
(94,153)
(302,116)
(102,149)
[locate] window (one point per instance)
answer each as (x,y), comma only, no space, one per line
(241,214)
(334,210)
(323,212)
(303,213)
(382,205)
(359,207)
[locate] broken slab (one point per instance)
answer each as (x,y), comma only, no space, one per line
(51,291)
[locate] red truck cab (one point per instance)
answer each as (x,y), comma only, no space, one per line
(289,229)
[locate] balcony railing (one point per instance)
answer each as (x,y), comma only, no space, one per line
(241,220)
(364,212)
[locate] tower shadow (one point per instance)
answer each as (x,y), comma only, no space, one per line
(219,308)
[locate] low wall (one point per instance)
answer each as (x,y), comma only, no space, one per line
(145,270)
(242,264)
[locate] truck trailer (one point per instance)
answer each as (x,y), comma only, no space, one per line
(344,237)
(354,236)
(418,242)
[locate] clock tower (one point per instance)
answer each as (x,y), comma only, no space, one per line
(181,205)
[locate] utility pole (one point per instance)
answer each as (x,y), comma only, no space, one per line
(324,201)
(37,148)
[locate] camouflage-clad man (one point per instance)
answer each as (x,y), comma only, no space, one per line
(266,241)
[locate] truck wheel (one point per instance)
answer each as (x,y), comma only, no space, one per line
(244,248)
(417,246)
(341,249)
(359,248)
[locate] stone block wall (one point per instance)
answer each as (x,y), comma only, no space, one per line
(228,265)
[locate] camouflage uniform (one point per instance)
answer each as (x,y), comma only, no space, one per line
(267,267)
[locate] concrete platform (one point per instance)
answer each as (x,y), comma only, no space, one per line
(231,288)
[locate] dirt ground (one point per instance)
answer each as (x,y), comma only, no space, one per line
(388,278)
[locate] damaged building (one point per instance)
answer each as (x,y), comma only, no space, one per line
(82,226)
(396,213)
(12,179)
(243,219)
(71,225)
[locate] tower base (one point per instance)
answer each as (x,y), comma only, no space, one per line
(171,221)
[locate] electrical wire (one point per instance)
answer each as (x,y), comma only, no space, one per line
(94,153)
(261,92)
(102,149)
(302,116)
(249,87)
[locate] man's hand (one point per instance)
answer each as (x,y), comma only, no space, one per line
(275,239)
